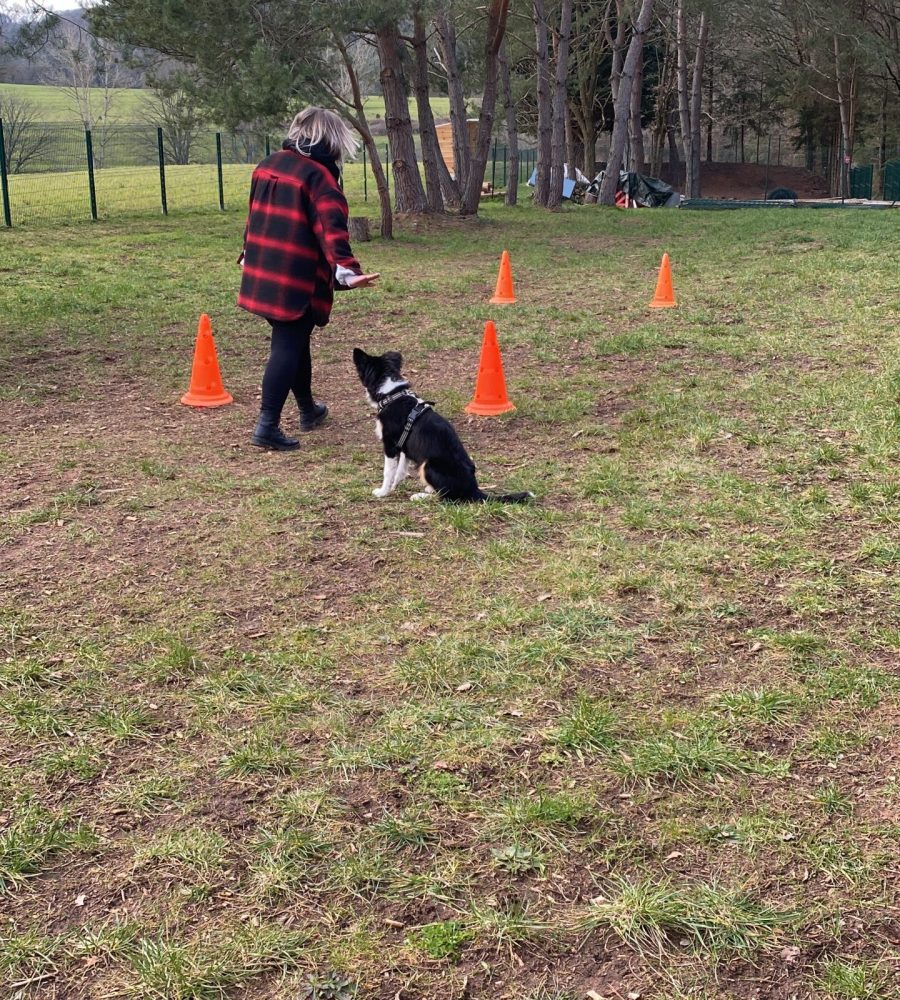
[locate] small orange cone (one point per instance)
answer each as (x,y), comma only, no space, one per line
(665,293)
(490,387)
(206,387)
(504,294)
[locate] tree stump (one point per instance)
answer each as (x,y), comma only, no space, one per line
(359,230)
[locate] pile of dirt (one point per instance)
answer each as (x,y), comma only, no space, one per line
(748,180)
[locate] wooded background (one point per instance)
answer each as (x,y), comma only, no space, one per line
(667,84)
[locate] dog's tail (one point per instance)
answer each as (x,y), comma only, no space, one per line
(510,497)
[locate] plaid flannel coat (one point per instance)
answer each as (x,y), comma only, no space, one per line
(296,237)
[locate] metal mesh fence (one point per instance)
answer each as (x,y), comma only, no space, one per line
(56,173)
(64,173)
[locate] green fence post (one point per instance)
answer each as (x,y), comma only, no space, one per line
(768,161)
(92,189)
(4,181)
(505,178)
(268,148)
(219,171)
(494,170)
(365,182)
(161,152)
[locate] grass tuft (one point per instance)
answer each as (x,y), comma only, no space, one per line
(32,838)
(590,728)
(709,918)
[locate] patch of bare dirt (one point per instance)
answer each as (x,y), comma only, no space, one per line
(748,181)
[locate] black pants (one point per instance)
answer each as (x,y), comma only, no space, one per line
(290,365)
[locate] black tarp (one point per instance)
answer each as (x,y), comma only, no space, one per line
(648,192)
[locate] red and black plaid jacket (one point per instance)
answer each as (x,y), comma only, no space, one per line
(296,236)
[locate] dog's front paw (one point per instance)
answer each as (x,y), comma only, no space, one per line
(381,493)
(421,496)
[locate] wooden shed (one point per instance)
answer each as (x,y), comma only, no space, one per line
(445,141)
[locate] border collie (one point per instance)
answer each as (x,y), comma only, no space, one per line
(416,439)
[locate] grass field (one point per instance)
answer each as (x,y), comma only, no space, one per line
(263,736)
(54,105)
(36,199)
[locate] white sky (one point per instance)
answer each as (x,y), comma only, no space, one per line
(53,4)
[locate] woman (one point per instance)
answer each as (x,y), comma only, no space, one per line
(296,251)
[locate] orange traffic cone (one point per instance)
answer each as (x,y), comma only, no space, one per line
(206,387)
(665,293)
(504,295)
(490,387)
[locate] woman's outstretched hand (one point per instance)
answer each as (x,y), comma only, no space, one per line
(361,280)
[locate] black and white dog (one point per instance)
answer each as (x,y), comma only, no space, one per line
(416,439)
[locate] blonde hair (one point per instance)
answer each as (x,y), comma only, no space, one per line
(314,125)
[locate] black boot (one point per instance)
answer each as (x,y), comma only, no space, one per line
(313,415)
(269,435)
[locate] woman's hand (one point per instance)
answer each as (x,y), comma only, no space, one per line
(361,280)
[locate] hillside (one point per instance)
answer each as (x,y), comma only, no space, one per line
(56,106)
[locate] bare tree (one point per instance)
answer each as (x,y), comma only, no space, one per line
(446,29)
(25,139)
(512,130)
(408,188)
(590,43)
(623,104)
(432,160)
(558,134)
(89,72)
(544,104)
(355,109)
(495,30)
(177,113)
(690,101)
(636,133)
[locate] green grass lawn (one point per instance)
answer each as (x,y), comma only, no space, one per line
(122,191)
(264,736)
(53,104)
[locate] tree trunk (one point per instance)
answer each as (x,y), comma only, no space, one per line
(361,123)
(544,106)
(878,191)
(684,111)
(696,106)
(846,92)
(358,229)
(571,146)
(558,133)
(461,155)
(496,29)
(689,102)
(623,102)
(662,119)
(512,130)
(590,42)
(589,136)
(431,154)
(638,164)
(709,114)
(617,44)
(409,194)
(382,186)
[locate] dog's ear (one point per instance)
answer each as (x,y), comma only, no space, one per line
(394,359)
(359,357)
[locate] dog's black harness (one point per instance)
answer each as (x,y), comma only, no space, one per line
(421,406)
(414,415)
(394,396)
